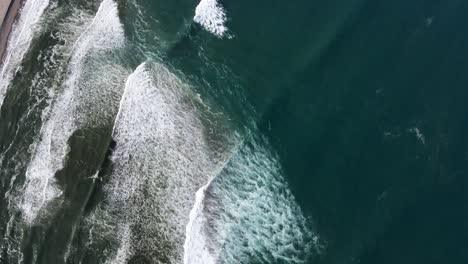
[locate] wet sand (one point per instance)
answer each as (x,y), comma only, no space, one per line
(8,11)
(4,8)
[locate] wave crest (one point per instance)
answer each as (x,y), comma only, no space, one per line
(212,16)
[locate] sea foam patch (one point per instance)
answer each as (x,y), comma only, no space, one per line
(249,215)
(211,16)
(80,101)
(196,249)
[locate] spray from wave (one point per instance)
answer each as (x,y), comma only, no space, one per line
(19,41)
(85,96)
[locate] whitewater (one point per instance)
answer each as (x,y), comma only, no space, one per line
(249,199)
(211,16)
(77,104)
(20,39)
(161,157)
(178,184)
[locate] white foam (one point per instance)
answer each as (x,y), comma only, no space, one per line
(211,15)
(78,102)
(123,252)
(19,41)
(247,214)
(251,215)
(160,160)
(418,134)
(196,250)
(44,85)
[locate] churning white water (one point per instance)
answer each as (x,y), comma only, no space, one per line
(247,214)
(172,195)
(85,95)
(195,247)
(161,158)
(211,16)
(19,41)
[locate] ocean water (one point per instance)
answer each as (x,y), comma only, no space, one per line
(218,131)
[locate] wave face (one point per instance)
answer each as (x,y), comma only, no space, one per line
(211,16)
(85,100)
(162,156)
(247,214)
(19,41)
(195,247)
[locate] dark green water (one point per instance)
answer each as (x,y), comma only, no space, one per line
(308,132)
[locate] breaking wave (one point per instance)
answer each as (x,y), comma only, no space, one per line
(211,16)
(195,247)
(85,100)
(163,155)
(247,214)
(175,190)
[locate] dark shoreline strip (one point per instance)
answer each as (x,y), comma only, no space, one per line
(7,24)
(4,5)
